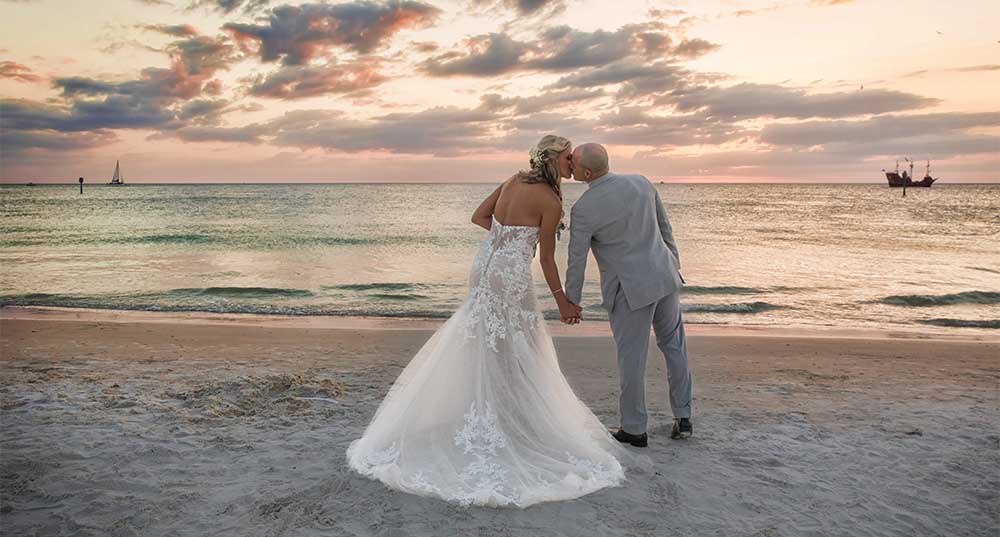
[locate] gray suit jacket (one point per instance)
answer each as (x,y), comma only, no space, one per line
(622,219)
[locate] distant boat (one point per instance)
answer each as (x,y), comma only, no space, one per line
(903,180)
(118,179)
(31,184)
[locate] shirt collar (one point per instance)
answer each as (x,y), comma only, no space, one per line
(599,180)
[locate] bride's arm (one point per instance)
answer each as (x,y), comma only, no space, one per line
(547,258)
(483,217)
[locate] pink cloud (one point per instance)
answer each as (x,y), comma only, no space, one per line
(18,72)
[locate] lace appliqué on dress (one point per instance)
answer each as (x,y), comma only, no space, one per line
(501,284)
(596,471)
(481,437)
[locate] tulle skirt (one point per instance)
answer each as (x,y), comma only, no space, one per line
(482,415)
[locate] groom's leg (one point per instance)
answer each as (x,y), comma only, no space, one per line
(669,328)
(631,331)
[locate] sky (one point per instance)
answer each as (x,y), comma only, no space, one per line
(459,91)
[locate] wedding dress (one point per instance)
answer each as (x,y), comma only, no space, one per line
(482,415)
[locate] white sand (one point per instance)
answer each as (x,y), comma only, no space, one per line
(164,424)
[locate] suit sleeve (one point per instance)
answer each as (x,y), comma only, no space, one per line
(579,247)
(666,231)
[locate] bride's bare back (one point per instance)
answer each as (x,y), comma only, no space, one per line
(523,204)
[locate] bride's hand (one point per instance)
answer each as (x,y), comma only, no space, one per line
(569,312)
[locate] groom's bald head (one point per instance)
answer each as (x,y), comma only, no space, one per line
(590,161)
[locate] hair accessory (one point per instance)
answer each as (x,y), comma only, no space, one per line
(536,157)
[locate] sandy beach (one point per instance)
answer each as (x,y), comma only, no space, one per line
(127,423)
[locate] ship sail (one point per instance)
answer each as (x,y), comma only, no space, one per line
(117,178)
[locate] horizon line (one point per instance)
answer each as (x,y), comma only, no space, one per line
(568,182)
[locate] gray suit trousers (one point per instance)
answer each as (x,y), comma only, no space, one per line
(631,332)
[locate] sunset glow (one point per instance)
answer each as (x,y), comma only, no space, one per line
(428,91)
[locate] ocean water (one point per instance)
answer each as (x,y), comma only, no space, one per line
(850,256)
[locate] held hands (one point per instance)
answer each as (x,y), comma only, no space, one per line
(573,316)
(569,313)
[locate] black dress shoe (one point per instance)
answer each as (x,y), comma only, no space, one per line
(637,440)
(682,428)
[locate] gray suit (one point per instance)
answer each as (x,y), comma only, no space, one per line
(621,218)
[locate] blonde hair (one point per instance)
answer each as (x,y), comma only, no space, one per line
(544,164)
(545,167)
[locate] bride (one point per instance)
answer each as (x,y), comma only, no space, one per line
(482,415)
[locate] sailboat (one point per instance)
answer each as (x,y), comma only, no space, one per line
(117,180)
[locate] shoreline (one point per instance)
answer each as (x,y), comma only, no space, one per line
(556,329)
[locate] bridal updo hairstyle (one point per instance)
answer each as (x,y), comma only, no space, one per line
(544,167)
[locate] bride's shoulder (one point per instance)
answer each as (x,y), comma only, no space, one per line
(544,195)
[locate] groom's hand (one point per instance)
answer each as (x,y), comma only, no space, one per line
(576,316)
(569,312)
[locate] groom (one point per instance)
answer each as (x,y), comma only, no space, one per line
(622,219)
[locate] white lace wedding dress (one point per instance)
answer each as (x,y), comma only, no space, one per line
(482,415)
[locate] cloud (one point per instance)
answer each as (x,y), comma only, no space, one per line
(666,13)
(786,5)
(441,131)
(115,46)
(18,72)
(300,81)
(193,62)
(878,128)
(974,68)
(113,112)
(635,126)
(425,46)
(525,7)
(769,100)
(694,48)
(923,146)
(176,30)
(50,126)
(203,110)
(628,126)
(251,134)
(562,49)
(488,55)
(968,69)
(161,98)
(15,142)
(655,77)
(228,6)
(154,84)
(203,54)
(543,102)
(297,34)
